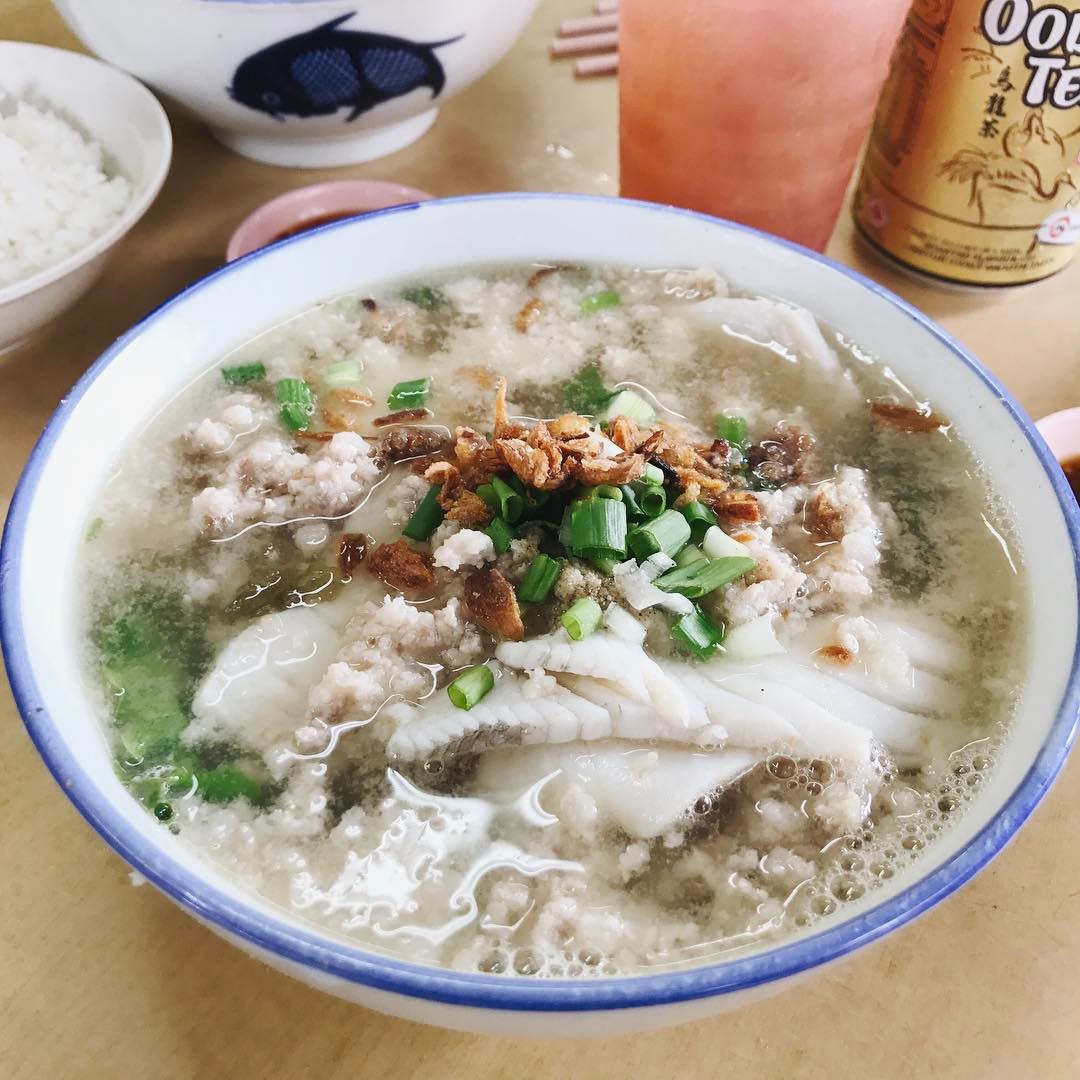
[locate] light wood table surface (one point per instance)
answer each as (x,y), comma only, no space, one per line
(98,979)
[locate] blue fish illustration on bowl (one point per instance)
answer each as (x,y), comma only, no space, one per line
(327,68)
(306,83)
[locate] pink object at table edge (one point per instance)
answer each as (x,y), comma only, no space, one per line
(335,198)
(1061,430)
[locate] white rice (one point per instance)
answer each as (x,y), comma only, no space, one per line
(55,196)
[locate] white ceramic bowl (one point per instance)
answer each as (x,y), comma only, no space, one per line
(125,118)
(161,355)
(304,82)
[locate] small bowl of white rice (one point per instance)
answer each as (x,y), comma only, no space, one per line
(84,150)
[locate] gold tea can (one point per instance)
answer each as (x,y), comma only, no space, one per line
(972,170)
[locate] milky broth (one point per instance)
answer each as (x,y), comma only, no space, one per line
(255,692)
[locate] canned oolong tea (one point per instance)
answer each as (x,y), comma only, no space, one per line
(972,171)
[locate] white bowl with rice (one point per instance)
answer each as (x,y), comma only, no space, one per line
(84,150)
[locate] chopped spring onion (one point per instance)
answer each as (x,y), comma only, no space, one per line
(539,579)
(607,491)
(605,564)
(609,298)
(698,633)
(511,503)
(669,533)
(701,518)
(629,496)
(426,297)
(565,534)
(731,429)
(652,475)
(598,529)
(718,545)
(226,782)
(471,685)
(690,555)
(487,493)
(297,403)
(409,395)
(427,517)
(651,498)
(343,374)
(582,618)
(700,578)
(243,373)
(627,403)
(501,533)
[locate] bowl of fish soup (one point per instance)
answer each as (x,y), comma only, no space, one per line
(304,83)
(608,757)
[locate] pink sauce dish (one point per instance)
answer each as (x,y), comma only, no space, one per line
(308,207)
(1061,430)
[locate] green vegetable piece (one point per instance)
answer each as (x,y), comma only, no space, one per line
(582,618)
(652,475)
(629,496)
(539,579)
(651,498)
(511,502)
(487,493)
(690,555)
(409,395)
(226,782)
(244,373)
(731,429)
(585,393)
(94,529)
(701,519)
(704,576)
(470,686)
(698,633)
(501,533)
(607,491)
(163,811)
(427,517)
(627,403)
(343,374)
(608,298)
(604,563)
(426,297)
(669,533)
(297,403)
(598,529)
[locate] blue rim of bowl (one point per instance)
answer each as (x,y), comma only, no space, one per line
(290,941)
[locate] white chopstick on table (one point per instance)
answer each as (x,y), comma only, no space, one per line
(606,7)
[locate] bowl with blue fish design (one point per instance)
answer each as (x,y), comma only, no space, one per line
(304,82)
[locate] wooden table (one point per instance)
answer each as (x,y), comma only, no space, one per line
(98,979)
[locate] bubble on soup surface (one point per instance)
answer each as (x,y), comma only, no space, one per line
(528,962)
(847,888)
(493,963)
(783,768)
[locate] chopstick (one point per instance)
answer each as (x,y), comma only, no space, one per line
(586,43)
(590,24)
(593,37)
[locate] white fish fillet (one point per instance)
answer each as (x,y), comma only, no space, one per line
(635,720)
(748,724)
(505,715)
(896,728)
(258,686)
(769,322)
(820,734)
(645,792)
(603,656)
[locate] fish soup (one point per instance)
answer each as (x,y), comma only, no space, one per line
(554,621)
